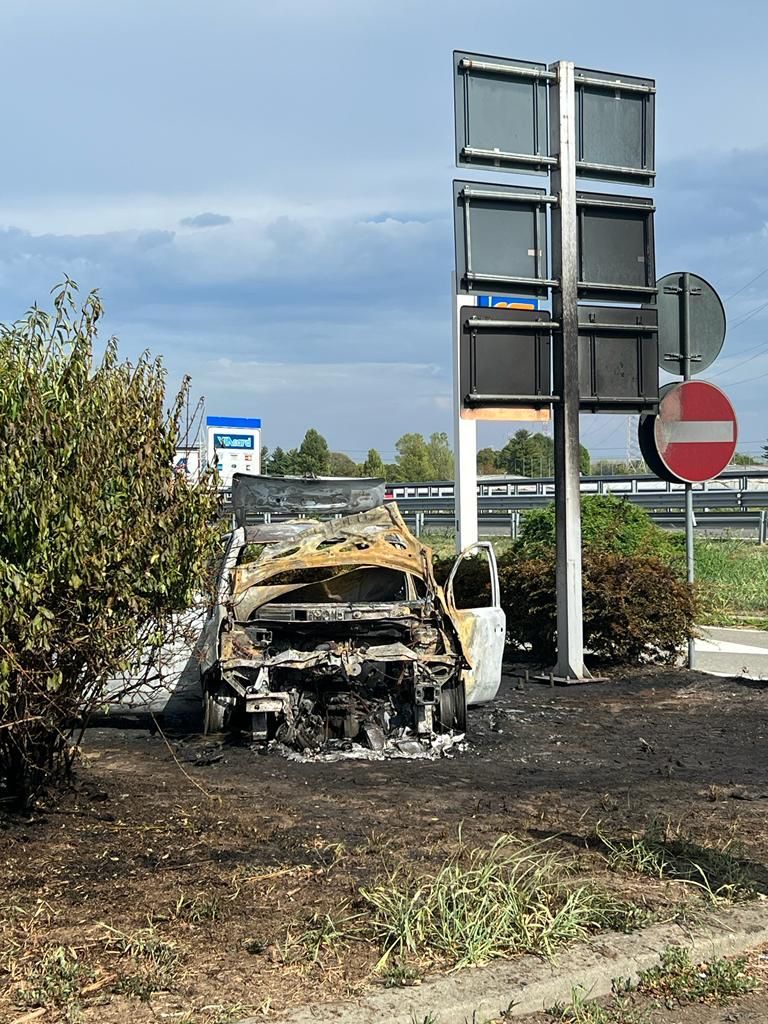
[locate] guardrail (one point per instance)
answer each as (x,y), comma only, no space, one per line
(496,486)
(733,504)
(509,523)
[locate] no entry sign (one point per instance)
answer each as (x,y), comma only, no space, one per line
(693,436)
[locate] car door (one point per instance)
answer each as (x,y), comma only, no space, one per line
(482,629)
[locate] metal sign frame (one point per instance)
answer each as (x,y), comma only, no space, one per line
(485,88)
(526,335)
(615,117)
(471,197)
(631,331)
(602,250)
(611,216)
(696,309)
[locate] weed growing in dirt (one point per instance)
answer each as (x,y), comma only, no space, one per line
(718,872)
(400,976)
(197,909)
(216,1015)
(581,1010)
(485,904)
(154,962)
(323,934)
(677,979)
(56,981)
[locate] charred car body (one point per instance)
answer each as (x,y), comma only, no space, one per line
(337,629)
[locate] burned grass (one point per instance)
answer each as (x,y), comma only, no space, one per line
(271,883)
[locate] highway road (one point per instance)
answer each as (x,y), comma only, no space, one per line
(730,652)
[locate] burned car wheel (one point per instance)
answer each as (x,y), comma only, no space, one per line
(453,707)
(217,712)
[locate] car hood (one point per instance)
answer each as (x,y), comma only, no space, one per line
(303,495)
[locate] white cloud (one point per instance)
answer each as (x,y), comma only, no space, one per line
(356,405)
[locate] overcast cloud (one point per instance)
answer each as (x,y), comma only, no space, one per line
(262,191)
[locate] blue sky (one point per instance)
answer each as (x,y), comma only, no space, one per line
(261,191)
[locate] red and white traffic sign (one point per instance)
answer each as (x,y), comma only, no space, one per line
(693,436)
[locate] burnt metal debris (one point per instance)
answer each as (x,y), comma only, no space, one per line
(336,634)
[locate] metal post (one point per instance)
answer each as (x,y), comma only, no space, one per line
(464,439)
(685,349)
(570,631)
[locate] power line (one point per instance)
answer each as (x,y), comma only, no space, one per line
(747,380)
(745,286)
(740,321)
(762,350)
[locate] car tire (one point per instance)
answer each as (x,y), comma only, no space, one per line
(216,713)
(453,706)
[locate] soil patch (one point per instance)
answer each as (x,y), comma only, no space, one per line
(202,884)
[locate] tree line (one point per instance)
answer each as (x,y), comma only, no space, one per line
(525,454)
(417,458)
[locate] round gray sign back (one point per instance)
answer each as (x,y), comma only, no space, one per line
(707,329)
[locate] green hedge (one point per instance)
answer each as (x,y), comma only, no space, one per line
(637,607)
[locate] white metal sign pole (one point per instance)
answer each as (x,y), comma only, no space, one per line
(570,630)
(464,437)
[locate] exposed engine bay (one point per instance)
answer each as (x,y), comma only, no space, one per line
(336,633)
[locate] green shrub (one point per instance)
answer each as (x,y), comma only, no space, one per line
(608,523)
(472,583)
(100,540)
(635,608)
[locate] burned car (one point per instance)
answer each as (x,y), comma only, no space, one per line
(337,630)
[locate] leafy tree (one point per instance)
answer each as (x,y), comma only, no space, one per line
(264,458)
(743,459)
(100,541)
(486,461)
(373,466)
(413,458)
(529,454)
(440,457)
(313,457)
(340,464)
(418,459)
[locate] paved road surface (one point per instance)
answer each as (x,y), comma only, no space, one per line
(729,652)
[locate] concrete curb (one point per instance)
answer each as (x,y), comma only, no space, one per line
(528,984)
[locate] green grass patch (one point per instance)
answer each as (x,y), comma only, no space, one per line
(151,964)
(732,581)
(484,904)
(581,1010)
(678,980)
(719,872)
(56,982)
(675,981)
